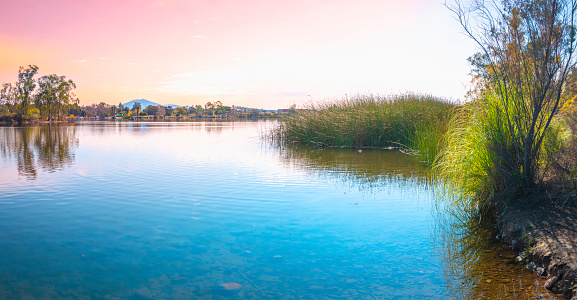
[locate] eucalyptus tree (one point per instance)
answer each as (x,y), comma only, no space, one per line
(180,111)
(194,109)
(54,96)
(5,93)
(136,106)
(5,105)
(169,110)
(20,95)
(527,49)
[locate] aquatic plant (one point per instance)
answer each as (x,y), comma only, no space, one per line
(412,122)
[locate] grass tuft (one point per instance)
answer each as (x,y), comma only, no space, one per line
(481,159)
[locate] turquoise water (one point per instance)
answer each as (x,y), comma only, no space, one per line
(210,211)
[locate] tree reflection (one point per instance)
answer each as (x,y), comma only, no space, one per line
(48,148)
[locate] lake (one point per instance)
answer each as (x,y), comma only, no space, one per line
(208,210)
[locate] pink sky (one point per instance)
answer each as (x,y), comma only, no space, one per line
(260,53)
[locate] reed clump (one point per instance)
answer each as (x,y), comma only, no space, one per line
(480,162)
(413,122)
(466,168)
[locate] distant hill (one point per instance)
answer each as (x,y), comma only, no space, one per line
(145,103)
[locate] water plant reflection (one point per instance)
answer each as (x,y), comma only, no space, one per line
(47,147)
(477,265)
(355,166)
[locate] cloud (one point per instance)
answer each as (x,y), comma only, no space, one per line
(230,81)
(270,75)
(301,94)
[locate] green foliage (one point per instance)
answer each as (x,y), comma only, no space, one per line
(412,122)
(54,96)
(480,160)
(526,55)
(49,97)
(19,95)
(22,94)
(466,168)
(169,110)
(155,110)
(76,110)
(499,146)
(180,111)
(136,107)
(6,112)
(561,161)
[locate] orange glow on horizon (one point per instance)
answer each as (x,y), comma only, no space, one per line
(259,53)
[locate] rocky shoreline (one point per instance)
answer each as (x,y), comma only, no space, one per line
(545,235)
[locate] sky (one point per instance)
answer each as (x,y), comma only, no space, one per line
(256,53)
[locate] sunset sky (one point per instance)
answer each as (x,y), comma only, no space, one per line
(258,53)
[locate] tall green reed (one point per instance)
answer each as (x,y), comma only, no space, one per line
(412,122)
(481,157)
(464,164)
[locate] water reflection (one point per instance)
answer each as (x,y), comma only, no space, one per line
(357,167)
(229,216)
(142,128)
(48,148)
(476,264)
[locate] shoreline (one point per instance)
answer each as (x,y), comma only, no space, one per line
(545,235)
(14,122)
(4,123)
(541,231)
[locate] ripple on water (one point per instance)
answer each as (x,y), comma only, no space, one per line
(204,210)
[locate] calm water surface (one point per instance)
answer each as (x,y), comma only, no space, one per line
(209,211)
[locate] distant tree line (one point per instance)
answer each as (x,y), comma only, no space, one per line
(49,97)
(209,110)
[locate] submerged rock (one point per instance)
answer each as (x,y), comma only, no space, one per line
(549,283)
(231,286)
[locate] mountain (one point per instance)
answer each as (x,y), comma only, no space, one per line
(145,103)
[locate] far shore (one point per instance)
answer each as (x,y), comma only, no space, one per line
(133,119)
